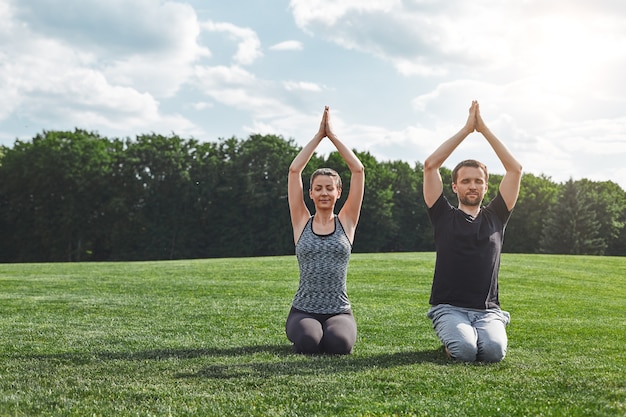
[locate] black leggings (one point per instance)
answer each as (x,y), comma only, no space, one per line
(321,333)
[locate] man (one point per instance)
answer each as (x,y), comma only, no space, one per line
(465,309)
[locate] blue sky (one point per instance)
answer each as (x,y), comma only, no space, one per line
(399,76)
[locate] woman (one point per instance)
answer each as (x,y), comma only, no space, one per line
(321,320)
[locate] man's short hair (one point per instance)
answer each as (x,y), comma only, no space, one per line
(469,163)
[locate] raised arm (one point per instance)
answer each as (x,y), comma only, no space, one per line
(433,184)
(351,210)
(510,185)
(297,207)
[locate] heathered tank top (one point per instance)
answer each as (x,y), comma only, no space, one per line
(323,262)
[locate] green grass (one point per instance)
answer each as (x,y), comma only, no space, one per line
(206,337)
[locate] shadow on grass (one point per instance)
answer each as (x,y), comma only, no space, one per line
(159,354)
(293,364)
(282,361)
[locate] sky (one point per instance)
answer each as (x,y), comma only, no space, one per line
(398,76)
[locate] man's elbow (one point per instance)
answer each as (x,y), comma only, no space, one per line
(430,165)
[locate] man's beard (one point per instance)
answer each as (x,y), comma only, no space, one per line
(470,202)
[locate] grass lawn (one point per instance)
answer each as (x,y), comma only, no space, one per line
(206,337)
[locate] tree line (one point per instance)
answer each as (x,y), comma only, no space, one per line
(78,196)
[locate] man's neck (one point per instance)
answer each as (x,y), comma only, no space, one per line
(470,210)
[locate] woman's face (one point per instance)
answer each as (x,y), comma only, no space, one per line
(324,192)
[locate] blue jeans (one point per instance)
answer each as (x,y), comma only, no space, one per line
(471,335)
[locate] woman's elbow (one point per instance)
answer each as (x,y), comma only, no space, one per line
(517,169)
(295,170)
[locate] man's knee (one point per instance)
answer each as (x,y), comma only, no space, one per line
(492,351)
(462,350)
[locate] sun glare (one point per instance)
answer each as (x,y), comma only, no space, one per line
(564,52)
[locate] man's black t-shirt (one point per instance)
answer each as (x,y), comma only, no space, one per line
(468,254)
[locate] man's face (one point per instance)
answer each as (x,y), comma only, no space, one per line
(470,186)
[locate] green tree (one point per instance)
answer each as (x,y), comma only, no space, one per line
(206,193)
(53,189)
(156,171)
(409,213)
(571,226)
(258,212)
(525,228)
(608,201)
(72,196)
(376,225)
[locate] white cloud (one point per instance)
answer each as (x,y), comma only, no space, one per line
(307,11)
(238,88)
(287,46)
(214,77)
(410,144)
(429,38)
(146,44)
(202,105)
(114,27)
(302,86)
(248,43)
(56,68)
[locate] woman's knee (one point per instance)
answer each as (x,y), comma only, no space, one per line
(305,333)
(305,339)
(307,344)
(337,344)
(339,334)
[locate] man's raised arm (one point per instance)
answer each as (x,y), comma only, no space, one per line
(433,184)
(510,185)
